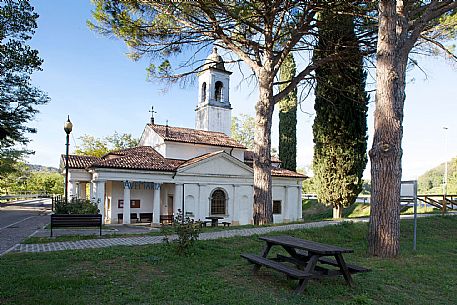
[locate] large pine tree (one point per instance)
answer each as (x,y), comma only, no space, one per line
(288,117)
(341,107)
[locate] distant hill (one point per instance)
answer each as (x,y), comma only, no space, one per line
(41,168)
(431,182)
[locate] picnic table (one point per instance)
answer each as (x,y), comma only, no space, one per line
(305,260)
(214,220)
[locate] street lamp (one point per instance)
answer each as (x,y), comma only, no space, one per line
(68,126)
(445,170)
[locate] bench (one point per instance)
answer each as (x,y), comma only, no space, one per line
(226,223)
(351,267)
(133,216)
(205,223)
(76,221)
(145,217)
(291,272)
(166,219)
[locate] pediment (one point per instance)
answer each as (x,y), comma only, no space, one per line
(220,164)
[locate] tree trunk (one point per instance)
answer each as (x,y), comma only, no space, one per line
(337,211)
(263,213)
(386,152)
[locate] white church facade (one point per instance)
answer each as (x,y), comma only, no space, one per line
(202,171)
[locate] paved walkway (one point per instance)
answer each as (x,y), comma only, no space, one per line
(20,219)
(148,240)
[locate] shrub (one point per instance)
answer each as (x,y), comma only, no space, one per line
(76,206)
(187,231)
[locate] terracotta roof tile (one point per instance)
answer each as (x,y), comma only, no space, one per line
(195,136)
(139,158)
(79,162)
(282,172)
(249,156)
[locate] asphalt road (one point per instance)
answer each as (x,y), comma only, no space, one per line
(21,219)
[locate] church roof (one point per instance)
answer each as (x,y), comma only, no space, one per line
(249,157)
(194,136)
(282,172)
(138,158)
(147,158)
(79,162)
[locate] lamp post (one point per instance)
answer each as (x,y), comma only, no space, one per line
(445,171)
(68,126)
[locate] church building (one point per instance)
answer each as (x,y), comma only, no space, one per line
(202,171)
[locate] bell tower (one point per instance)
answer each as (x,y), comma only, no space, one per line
(213,110)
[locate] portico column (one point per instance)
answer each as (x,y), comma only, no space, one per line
(299,210)
(178,198)
(126,211)
(156,205)
(71,189)
(82,190)
(286,206)
(100,197)
(236,208)
(91,191)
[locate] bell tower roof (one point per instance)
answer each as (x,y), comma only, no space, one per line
(214,60)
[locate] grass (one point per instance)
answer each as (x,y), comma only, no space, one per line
(215,273)
(315,211)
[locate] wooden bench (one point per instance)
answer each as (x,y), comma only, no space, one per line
(351,267)
(76,221)
(166,219)
(133,216)
(291,272)
(205,223)
(226,223)
(145,217)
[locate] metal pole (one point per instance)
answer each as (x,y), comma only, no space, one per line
(66,168)
(415,215)
(445,171)
(183,189)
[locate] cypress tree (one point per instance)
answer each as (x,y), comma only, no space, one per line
(340,124)
(288,118)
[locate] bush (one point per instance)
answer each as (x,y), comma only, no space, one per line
(187,231)
(76,206)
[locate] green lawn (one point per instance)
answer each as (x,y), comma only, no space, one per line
(315,211)
(215,273)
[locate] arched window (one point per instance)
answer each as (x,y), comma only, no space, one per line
(218,203)
(218,91)
(203,92)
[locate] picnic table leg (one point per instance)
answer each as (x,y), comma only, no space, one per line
(308,269)
(344,269)
(264,253)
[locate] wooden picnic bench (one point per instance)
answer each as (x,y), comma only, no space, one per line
(306,260)
(145,217)
(76,221)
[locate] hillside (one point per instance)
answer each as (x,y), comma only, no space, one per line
(41,168)
(431,182)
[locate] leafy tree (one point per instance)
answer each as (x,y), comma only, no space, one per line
(97,147)
(243,130)
(260,34)
(288,117)
(340,125)
(18,98)
(401,25)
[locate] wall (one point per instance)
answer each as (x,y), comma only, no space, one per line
(186,151)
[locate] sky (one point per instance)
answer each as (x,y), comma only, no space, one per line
(90,78)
